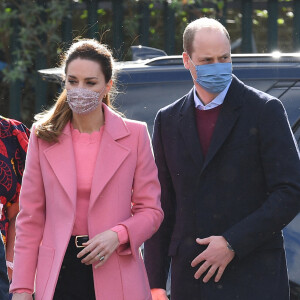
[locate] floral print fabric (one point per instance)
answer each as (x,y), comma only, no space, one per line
(13,146)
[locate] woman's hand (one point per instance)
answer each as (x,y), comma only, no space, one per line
(22,296)
(100,248)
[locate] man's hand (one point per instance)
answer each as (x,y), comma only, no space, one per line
(215,258)
(159,294)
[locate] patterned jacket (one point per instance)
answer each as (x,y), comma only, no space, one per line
(13,146)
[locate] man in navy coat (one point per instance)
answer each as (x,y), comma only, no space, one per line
(229,170)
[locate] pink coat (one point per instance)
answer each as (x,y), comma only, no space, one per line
(125,174)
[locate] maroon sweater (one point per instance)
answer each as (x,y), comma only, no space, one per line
(206,121)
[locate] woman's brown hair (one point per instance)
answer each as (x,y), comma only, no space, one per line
(50,123)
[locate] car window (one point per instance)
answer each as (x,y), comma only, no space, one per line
(143,101)
(260,84)
(291,102)
(292,248)
(296,129)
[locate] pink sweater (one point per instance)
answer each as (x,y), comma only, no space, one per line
(87,146)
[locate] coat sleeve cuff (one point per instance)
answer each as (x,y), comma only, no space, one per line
(19,291)
(122,234)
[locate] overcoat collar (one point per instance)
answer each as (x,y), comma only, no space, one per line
(188,129)
(110,156)
(228,116)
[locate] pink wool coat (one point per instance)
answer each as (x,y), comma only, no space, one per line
(125,190)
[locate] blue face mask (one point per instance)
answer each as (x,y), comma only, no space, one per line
(213,77)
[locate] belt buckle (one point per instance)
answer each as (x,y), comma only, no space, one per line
(79,244)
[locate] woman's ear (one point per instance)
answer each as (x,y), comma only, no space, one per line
(108,86)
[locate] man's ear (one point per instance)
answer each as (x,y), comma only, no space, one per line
(186,60)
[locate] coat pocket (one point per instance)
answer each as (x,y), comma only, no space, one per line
(44,265)
(274,243)
(134,278)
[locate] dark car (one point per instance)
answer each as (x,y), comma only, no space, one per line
(147,85)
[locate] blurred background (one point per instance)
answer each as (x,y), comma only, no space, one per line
(33,34)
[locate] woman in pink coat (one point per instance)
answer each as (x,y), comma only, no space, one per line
(90,195)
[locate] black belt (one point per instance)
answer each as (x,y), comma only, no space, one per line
(79,240)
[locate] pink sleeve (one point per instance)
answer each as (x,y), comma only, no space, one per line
(19,291)
(122,233)
(146,210)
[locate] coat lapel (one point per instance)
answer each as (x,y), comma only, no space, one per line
(229,114)
(111,153)
(62,161)
(188,129)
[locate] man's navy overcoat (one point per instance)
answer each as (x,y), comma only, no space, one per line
(247,188)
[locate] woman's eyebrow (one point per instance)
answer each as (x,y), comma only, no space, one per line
(87,78)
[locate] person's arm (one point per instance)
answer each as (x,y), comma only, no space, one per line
(159,294)
(11,213)
(22,296)
(23,138)
(156,249)
(105,243)
(281,166)
(147,214)
(30,221)
(99,248)
(122,234)
(22,135)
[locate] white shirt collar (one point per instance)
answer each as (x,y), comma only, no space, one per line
(214,103)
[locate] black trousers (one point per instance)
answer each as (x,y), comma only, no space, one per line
(75,281)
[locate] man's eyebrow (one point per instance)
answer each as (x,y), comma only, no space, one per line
(225,54)
(204,57)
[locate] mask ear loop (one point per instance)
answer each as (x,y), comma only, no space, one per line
(101,92)
(194,67)
(191,61)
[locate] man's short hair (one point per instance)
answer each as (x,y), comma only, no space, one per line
(193,27)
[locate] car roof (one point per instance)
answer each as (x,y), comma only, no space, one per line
(275,73)
(270,60)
